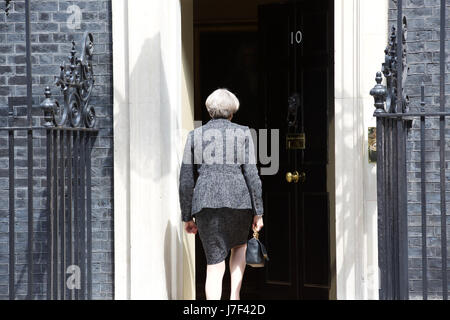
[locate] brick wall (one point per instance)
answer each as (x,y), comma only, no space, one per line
(52,33)
(423,17)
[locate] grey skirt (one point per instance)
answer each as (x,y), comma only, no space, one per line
(222,229)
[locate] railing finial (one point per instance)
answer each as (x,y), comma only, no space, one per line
(379,94)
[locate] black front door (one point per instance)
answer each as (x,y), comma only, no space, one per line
(295,75)
(295,96)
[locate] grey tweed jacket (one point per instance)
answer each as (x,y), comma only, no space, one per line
(219,170)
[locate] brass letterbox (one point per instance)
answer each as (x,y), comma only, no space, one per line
(296,141)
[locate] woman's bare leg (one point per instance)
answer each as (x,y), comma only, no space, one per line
(214,277)
(237,268)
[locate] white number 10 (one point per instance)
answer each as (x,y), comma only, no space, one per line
(297,37)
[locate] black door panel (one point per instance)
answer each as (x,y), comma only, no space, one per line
(294,59)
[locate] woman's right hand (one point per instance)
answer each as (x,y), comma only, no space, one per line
(190,227)
(257,223)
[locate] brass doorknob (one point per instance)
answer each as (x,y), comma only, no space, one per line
(296,177)
(292,177)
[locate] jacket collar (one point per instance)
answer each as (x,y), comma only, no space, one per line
(218,120)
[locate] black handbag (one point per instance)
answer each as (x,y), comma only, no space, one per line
(256,255)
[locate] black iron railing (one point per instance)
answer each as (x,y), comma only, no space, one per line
(393,120)
(69,135)
(69,205)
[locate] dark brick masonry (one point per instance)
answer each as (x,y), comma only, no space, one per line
(423,59)
(51,37)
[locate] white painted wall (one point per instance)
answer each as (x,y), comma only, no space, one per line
(360,39)
(147,131)
(187,122)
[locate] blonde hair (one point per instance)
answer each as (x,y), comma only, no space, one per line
(222,104)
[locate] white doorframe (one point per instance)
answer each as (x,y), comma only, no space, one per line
(148,129)
(360,39)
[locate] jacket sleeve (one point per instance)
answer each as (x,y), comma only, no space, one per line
(251,176)
(187,182)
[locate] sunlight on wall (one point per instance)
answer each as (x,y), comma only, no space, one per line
(360,39)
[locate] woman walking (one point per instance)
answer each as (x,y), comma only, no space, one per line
(225,198)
